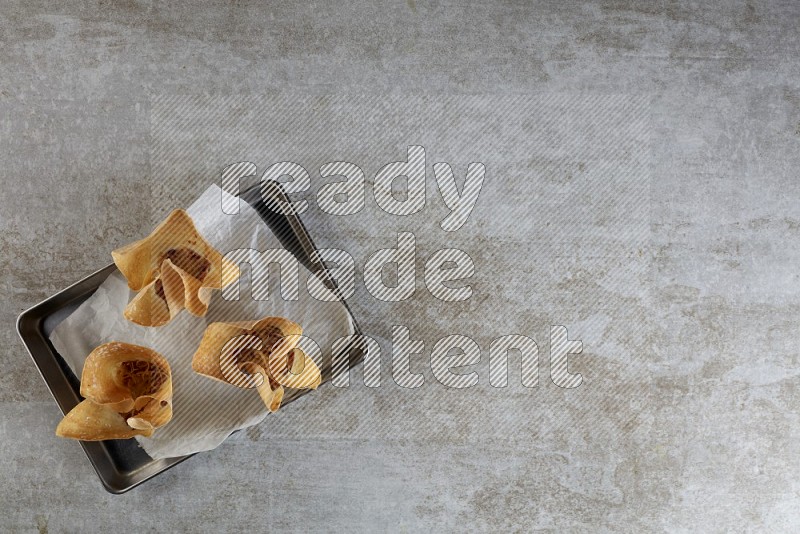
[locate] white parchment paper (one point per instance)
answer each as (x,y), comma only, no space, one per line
(205,411)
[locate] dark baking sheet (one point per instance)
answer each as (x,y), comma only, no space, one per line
(122,464)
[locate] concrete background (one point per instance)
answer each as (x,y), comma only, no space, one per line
(687,419)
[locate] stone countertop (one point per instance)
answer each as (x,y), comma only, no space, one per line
(641,185)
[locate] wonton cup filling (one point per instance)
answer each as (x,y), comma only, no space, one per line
(127,391)
(171,269)
(257,354)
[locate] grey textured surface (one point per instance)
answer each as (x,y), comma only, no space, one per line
(688,419)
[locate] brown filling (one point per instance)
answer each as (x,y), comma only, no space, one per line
(273,385)
(141,377)
(248,355)
(256,357)
(269,336)
(190,261)
(159,289)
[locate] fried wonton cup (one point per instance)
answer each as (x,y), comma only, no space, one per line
(173,268)
(257,354)
(127,391)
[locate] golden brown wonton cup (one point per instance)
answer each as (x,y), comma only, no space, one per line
(257,354)
(127,391)
(173,268)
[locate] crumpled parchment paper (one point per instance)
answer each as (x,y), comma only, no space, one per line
(205,411)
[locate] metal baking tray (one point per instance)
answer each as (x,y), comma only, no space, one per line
(122,464)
